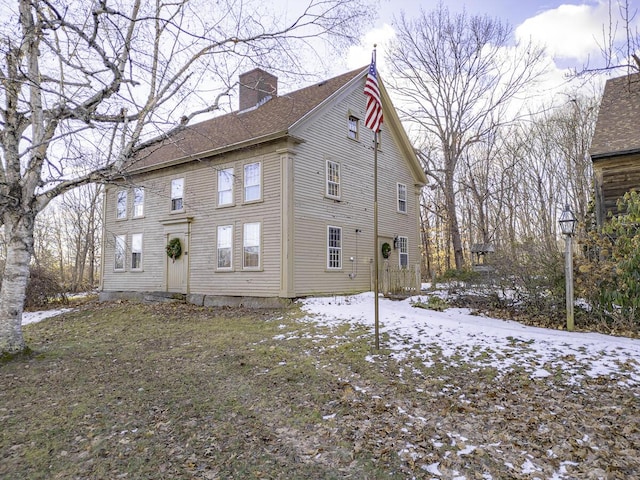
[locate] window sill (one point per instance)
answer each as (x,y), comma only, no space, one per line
(250,202)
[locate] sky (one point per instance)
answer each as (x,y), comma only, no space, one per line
(570,30)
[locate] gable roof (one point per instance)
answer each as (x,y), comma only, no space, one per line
(618,126)
(270,120)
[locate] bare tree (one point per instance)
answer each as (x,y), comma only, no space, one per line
(456,76)
(620,42)
(86,83)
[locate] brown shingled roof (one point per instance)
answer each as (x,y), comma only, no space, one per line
(618,125)
(274,117)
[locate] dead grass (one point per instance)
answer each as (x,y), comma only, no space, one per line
(173,391)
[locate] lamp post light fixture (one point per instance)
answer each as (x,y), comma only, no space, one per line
(568,223)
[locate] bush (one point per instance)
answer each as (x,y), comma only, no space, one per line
(608,276)
(43,288)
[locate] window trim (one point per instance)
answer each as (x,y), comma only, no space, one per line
(329,182)
(136,204)
(330,247)
(133,251)
(245,246)
(404,200)
(124,195)
(353,134)
(181,198)
(230,172)
(403,244)
(218,248)
(120,243)
(244,182)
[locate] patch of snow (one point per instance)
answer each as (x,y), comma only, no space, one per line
(487,342)
(35,317)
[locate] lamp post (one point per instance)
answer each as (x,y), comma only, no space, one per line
(568,226)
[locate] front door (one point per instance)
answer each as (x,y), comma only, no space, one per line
(178,269)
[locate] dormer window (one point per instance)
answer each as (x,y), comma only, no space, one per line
(353,124)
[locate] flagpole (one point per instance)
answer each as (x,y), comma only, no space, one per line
(375,230)
(373,121)
(375,238)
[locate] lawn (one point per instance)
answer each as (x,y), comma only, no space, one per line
(134,391)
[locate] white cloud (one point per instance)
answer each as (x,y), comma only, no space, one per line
(360,55)
(570,32)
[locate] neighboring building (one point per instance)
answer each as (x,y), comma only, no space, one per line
(615,149)
(273,201)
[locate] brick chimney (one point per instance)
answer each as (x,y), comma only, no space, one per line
(256,87)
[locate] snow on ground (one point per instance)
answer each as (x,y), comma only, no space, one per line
(461,338)
(35,317)
(485,341)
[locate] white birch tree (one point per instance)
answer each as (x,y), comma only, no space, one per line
(86,83)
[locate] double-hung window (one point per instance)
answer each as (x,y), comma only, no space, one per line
(251,246)
(121,204)
(225,246)
(403,246)
(119,252)
(252,182)
(138,201)
(334,248)
(225,186)
(333,179)
(352,123)
(402,198)
(177,194)
(136,251)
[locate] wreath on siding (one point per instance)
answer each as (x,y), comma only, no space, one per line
(174,249)
(386,250)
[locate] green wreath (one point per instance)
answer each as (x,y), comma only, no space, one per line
(174,248)
(386,250)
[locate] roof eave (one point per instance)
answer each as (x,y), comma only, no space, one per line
(603,156)
(217,151)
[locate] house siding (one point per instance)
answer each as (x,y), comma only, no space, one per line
(294,212)
(200,219)
(326,139)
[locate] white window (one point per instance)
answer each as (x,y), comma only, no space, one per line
(353,127)
(334,248)
(252,182)
(403,246)
(402,198)
(121,204)
(251,245)
(120,252)
(138,201)
(333,179)
(136,251)
(177,194)
(225,186)
(225,246)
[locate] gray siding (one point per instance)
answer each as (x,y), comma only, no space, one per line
(294,213)
(326,139)
(200,218)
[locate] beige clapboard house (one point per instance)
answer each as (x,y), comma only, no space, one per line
(274,201)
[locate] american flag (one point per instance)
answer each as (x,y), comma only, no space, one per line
(373,118)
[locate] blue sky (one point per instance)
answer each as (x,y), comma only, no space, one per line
(571,31)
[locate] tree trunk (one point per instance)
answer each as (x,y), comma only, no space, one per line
(19,234)
(452,219)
